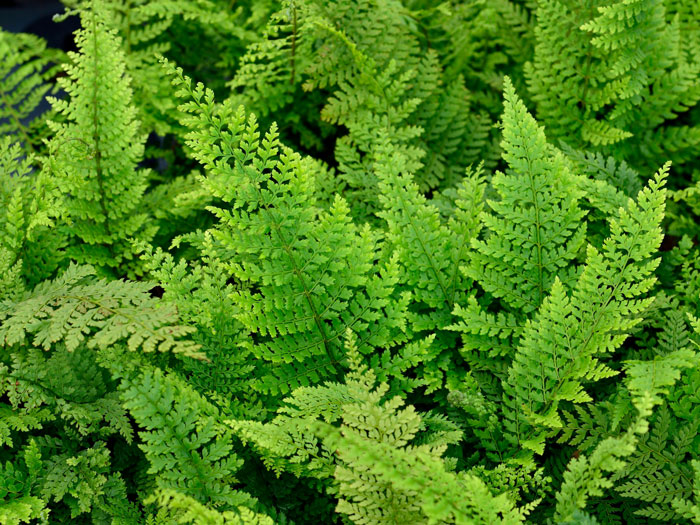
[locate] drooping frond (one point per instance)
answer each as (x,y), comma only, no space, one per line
(76,305)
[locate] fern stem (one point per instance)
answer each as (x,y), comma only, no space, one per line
(96,134)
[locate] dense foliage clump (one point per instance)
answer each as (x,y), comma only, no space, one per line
(352,261)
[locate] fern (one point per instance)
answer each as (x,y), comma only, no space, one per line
(94,153)
(430,252)
(187,448)
(30,251)
(76,304)
(202,299)
(533,234)
(311,281)
(609,63)
(382,476)
(27,66)
(19,505)
(585,476)
(287,442)
(537,228)
(185,509)
(559,349)
(143,35)
(313,271)
(379,80)
(371,489)
(686,507)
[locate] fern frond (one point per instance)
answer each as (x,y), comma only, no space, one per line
(307,275)
(76,305)
(559,348)
(187,448)
(429,249)
(185,509)
(384,478)
(536,228)
(94,153)
(26,66)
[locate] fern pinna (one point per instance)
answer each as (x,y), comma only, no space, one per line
(351,261)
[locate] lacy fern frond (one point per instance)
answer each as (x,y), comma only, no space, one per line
(384,478)
(19,502)
(143,27)
(30,251)
(188,449)
(76,305)
(589,476)
(306,275)
(558,350)
(536,228)
(599,78)
(185,509)
(287,443)
(534,232)
(430,252)
(26,66)
(369,261)
(95,151)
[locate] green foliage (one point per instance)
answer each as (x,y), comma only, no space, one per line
(560,347)
(95,151)
(600,74)
(366,71)
(66,309)
(28,247)
(183,441)
(352,261)
(306,274)
(430,252)
(536,229)
(385,478)
(26,67)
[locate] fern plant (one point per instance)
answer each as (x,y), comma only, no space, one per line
(609,63)
(359,261)
(27,68)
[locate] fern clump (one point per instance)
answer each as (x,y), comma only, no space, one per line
(351,261)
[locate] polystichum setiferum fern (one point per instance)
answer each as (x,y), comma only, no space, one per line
(352,261)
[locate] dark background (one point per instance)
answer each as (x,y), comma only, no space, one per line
(35,16)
